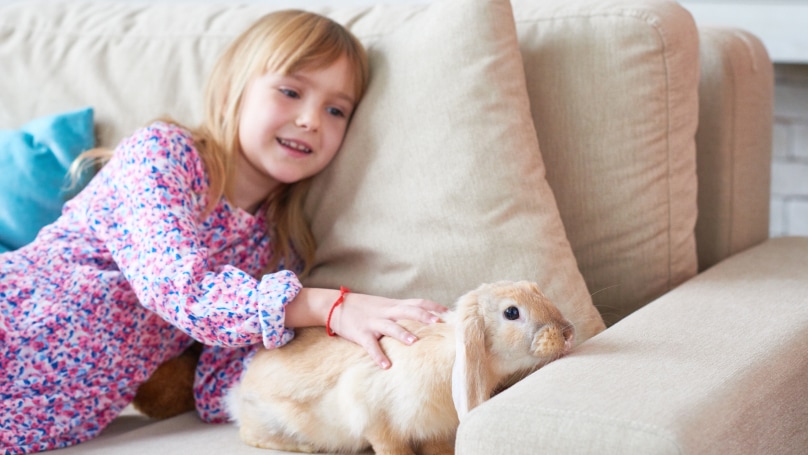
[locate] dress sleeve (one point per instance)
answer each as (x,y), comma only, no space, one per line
(147,212)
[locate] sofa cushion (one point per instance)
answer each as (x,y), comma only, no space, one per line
(35,159)
(440,184)
(734,143)
(613,86)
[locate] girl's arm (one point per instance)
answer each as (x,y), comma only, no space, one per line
(146,210)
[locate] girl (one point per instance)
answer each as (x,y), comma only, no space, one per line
(199,230)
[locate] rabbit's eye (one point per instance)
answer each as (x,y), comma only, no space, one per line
(511,313)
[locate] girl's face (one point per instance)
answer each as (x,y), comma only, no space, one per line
(291,126)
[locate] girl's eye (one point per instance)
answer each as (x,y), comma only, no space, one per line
(511,313)
(335,112)
(290,93)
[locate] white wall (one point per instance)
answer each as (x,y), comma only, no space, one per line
(782,25)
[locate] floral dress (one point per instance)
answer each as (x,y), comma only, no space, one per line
(125,279)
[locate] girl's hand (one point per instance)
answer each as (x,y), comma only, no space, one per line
(364,319)
(361,318)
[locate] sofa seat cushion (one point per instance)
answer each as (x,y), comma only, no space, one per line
(133,434)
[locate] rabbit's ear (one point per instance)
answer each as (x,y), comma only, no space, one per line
(470,376)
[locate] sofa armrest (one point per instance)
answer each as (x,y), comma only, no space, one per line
(733,143)
(717,365)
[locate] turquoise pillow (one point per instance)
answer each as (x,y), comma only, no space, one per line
(34,162)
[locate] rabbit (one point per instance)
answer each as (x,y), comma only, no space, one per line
(325,394)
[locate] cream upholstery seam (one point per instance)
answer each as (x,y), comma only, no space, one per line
(733,88)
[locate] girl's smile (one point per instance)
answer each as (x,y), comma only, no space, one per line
(296,146)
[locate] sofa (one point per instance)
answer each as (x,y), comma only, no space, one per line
(614,151)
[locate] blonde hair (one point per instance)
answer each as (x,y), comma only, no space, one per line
(285,42)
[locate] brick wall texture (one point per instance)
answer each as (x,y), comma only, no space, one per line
(789,203)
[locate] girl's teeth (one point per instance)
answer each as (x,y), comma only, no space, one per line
(295,146)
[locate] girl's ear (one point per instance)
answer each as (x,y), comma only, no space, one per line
(470,375)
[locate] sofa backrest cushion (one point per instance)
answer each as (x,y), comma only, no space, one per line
(613,86)
(440,184)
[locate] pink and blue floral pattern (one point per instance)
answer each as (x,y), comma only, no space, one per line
(125,279)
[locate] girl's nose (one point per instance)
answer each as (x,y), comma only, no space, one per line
(308,119)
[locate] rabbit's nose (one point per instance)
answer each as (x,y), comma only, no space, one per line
(550,341)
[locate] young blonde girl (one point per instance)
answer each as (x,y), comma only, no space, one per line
(189,234)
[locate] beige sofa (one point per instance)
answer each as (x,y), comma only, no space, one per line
(645,195)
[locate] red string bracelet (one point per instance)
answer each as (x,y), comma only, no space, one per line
(342,291)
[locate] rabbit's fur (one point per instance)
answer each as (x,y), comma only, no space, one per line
(320,393)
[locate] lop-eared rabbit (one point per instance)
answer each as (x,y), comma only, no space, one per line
(325,394)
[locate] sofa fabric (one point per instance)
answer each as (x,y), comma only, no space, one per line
(108,55)
(735,162)
(133,434)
